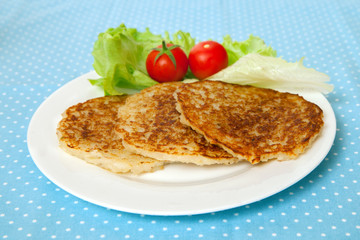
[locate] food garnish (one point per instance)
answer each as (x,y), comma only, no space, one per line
(120,60)
(167,63)
(271,72)
(207,58)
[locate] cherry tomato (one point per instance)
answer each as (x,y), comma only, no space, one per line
(167,63)
(207,58)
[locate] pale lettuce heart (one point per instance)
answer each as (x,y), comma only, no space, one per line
(273,72)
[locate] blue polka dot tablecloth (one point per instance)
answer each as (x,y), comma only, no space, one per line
(45,44)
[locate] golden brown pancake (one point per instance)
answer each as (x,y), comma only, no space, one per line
(149,125)
(87,131)
(251,123)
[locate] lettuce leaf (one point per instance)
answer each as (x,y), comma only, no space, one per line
(253,44)
(271,72)
(183,39)
(119,58)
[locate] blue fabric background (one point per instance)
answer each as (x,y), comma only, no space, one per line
(44,44)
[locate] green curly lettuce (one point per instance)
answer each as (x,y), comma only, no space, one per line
(119,58)
(253,44)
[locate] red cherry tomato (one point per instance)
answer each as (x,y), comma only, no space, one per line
(167,63)
(207,58)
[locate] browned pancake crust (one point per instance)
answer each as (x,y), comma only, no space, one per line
(251,123)
(150,126)
(89,125)
(87,131)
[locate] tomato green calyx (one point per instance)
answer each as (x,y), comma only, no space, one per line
(166,50)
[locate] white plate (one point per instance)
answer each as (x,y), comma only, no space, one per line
(179,189)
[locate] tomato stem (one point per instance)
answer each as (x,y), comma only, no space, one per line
(166,50)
